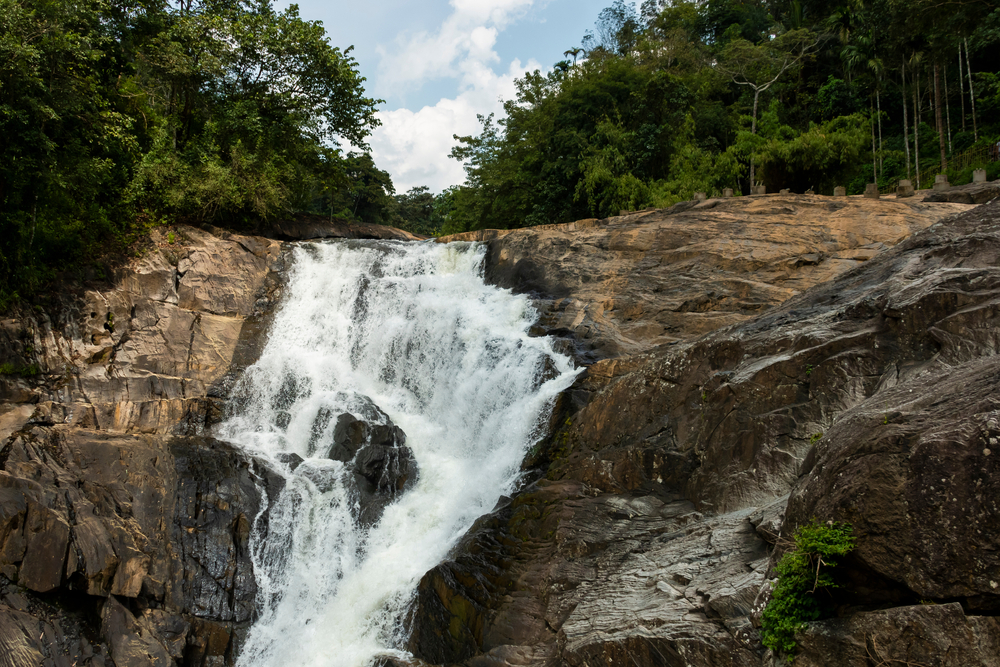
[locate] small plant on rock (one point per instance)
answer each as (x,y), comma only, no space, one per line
(802,573)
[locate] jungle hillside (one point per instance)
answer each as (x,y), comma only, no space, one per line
(121,115)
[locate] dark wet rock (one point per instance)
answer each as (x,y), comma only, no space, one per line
(60,630)
(349,435)
(971,193)
(935,635)
(383,469)
(378,463)
(134,641)
(290,459)
(388,469)
(137,522)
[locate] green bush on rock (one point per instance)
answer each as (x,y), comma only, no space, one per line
(802,573)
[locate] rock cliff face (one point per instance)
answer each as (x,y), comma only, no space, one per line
(753,364)
(660,505)
(124,531)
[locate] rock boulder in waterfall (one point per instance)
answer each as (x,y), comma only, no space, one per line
(349,435)
(383,466)
(375,452)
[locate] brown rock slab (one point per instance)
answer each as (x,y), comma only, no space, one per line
(624,285)
(305,227)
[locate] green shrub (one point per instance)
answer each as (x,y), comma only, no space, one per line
(23,371)
(802,573)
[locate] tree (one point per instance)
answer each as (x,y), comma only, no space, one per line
(575,52)
(759,66)
(117,114)
(618,27)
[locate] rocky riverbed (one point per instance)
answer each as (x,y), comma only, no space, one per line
(753,363)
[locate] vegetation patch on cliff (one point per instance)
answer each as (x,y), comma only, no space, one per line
(803,573)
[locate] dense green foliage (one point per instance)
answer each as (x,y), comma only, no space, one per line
(682,96)
(803,574)
(117,113)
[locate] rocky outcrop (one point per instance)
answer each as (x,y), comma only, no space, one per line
(626,284)
(143,356)
(380,463)
(152,530)
(932,635)
(970,193)
(112,504)
(661,504)
(124,531)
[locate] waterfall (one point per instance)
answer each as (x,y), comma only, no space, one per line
(404,334)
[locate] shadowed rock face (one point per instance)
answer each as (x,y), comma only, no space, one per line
(651,529)
(153,531)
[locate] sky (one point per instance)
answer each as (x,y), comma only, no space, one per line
(438,63)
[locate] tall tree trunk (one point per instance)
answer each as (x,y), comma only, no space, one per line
(906,125)
(938,120)
(972,95)
(753,132)
(961,86)
(916,124)
(878,103)
(947,110)
(874,153)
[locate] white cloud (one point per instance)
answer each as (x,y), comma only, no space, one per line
(413,146)
(464,40)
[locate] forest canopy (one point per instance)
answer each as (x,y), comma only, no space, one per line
(676,97)
(119,115)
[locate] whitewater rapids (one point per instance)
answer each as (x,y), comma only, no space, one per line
(413,328)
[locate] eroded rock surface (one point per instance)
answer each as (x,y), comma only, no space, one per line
(663,502)
(626,284)
(143,356)
(153,531)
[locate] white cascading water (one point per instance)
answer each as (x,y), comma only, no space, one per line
(414,328)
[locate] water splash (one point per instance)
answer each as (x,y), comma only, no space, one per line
(413,330)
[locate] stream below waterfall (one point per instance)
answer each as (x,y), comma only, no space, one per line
(373,335)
